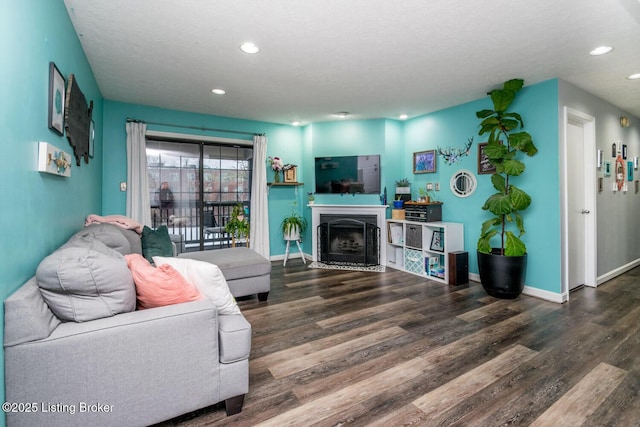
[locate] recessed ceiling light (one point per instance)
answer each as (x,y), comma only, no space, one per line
(404,116)
(218,91)
(295,123)
(601,50)
(341,114)
(249,47)
(634,76)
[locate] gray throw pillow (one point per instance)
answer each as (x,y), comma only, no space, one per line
(85,280)
(108,234)
(156,243)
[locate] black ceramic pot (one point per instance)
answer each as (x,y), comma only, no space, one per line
(502,276)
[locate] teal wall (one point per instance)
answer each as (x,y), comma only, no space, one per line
(39,211)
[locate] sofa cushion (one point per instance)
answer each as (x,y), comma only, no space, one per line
(27,317)
(85,280)
(156,242)
(235,263)
(134,240)
(207,278)
(108,234)
(156,287)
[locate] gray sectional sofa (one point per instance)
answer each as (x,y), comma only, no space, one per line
(125,368)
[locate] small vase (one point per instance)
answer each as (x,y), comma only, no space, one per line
(276,176)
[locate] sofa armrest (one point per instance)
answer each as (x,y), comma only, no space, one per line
(235,338)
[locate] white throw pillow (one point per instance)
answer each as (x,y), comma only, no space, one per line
(207,278)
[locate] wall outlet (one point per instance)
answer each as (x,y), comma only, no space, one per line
(437,186)
(123,186)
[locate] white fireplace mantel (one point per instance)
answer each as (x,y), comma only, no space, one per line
(380,211)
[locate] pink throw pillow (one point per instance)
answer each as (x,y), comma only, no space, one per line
(156,287)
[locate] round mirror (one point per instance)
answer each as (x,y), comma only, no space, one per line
(463,183)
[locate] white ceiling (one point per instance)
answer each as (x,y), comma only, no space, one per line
(372,58)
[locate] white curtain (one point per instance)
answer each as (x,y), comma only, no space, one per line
(259,213)
(138,205)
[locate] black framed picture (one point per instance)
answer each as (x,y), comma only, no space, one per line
(484,165)
(92,136)
(437,243)
(56,99)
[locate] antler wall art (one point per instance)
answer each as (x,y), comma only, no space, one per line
(452,154)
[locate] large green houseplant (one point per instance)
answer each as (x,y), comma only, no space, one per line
(503,267)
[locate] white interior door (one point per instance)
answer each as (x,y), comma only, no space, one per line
(579,218)
(577,205)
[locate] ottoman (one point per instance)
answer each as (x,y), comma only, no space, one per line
(245,271)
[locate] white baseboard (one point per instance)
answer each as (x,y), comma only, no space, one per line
(617,272)
(532,292)
(291,256)
(545,295)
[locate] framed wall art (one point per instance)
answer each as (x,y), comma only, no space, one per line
(484,166)
(92,137)
(436,241)
(56,99)
(424,161)
(53,160)
(290,173)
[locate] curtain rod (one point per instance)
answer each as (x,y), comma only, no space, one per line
(130,120)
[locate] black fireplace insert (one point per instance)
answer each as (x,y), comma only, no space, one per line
(349,240)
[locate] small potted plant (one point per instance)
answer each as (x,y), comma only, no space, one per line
(424,196)
(311,198)
(237,226)
(293,226)
(398,202)
(403,186)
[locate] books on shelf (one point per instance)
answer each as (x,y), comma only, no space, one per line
(433,267)
(395,234)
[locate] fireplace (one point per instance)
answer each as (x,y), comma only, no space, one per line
(349,239)
(374,215)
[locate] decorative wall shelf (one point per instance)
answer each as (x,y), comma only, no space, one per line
(284,184)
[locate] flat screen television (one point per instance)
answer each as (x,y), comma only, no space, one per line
(348,174)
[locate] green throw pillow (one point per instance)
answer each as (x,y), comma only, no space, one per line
(156,242)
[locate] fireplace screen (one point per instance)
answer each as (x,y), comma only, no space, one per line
(349,241)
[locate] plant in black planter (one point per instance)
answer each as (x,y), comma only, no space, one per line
(503,268)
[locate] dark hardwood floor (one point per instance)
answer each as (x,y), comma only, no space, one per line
(345,348)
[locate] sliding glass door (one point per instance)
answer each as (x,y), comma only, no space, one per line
(193,187)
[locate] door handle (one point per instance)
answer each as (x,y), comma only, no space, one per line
(585,211)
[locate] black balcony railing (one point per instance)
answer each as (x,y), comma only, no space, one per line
(200,228)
